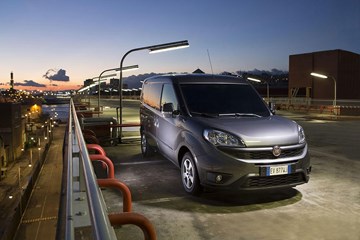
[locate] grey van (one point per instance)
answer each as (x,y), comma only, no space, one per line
(221,134)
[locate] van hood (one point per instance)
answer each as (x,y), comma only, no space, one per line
(256,132)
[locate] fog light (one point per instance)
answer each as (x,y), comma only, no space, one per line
(218,178)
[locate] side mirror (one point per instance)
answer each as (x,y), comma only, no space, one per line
(272,107)
(168,108)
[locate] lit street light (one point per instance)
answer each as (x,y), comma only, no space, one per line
(318,75)
(267,86)
(152,49)
(39,153)
(128,68)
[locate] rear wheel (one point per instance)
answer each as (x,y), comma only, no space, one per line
(189,175)
(146,149)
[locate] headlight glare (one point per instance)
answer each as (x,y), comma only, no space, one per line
(219,138)
(301,134)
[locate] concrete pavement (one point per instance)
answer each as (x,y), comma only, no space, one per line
(328,207)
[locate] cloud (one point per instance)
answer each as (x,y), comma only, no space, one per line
(56,75)
(29,83)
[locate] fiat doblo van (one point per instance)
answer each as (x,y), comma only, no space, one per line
(221,134)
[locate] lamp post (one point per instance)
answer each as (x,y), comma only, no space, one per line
(318,75)
(152,49)
(128,68)
(31,157)
(267,86)
(39,148)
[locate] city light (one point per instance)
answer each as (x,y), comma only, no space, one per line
(152,49)
(318,75)
(267,86)
(325,76)
(253,79)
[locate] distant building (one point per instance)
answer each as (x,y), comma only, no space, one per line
(3,157)
(198,71)
(88,82)
(11,132)
(114,83)
(344,66)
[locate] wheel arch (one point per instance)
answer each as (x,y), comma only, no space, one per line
(181,153)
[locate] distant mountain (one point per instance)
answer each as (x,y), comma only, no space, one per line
(134,81)
(272,72)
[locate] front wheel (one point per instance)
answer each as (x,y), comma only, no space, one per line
(146,149)
(189,175)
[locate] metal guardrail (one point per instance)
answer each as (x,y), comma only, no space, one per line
(316,102)
(83,194)
(345,107)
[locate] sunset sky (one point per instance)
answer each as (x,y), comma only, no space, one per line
(78,39)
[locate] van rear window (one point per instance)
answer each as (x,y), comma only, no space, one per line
(151,93)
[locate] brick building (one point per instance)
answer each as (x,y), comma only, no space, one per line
(343,66)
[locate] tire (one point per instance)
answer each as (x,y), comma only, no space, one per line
(189,175)
(146,149)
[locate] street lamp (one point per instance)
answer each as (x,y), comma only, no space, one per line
(324,76)
(267,86)
(127,68)
(152,49)
(39,153)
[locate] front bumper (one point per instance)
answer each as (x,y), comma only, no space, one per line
(219,169)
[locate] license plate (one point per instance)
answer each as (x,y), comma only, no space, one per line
(277,170)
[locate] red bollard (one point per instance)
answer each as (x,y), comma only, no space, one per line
(107,161)
(90,139)
(135,219)
(114,183)
(96,147)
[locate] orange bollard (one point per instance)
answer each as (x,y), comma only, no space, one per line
(96,147)
(90,139)
(107,161)
(89,132)
(114,183)
(135,219)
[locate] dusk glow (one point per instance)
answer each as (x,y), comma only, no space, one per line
(59,44)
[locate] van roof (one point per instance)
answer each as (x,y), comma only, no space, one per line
(196,78)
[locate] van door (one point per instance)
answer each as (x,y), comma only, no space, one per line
(169,127)
(150,110)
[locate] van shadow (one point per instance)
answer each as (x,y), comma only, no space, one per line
(229,202)
(155,182)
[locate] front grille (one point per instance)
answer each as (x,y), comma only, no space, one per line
(239,153)
(279,180)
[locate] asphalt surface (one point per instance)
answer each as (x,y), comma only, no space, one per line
(328,207)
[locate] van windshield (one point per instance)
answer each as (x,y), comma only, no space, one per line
(239,100)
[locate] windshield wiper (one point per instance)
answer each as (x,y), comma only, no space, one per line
(239,115)
(204,114)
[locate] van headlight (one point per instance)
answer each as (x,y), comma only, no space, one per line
(301,134)
(219,138)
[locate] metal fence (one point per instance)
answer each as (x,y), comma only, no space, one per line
(316,102)
(85,206)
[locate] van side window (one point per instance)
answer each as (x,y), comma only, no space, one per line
(169,96)
(151,94)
